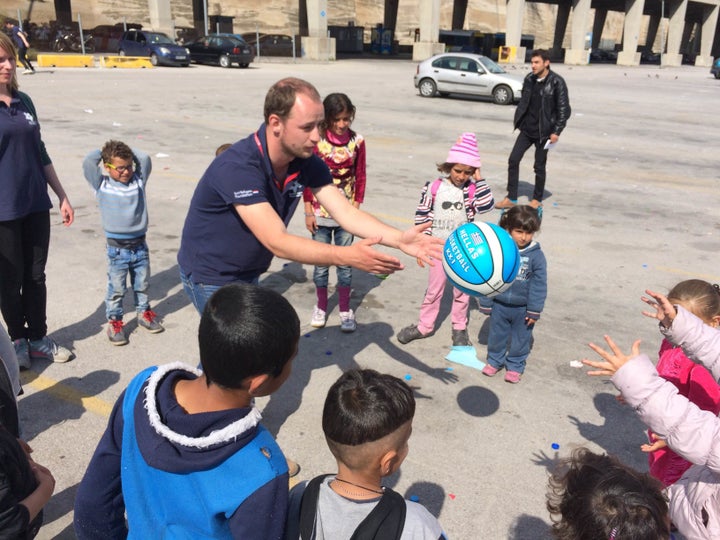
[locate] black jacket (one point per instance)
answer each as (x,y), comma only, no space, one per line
(555,107)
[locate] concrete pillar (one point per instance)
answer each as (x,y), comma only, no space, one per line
(707,34)
(561,22)
(390,17)
(676,26)
(631,32)
(429,31)
(577,54)
(317,46)
(161,16)
(598,26)
(458,14)
(514,22)
(653,26)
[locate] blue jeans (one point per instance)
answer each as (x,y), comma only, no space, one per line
(342,238)
(134,261)
(200,293)
(507,323)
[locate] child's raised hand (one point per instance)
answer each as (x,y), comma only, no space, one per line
(655,444)
(613,360)
(664,312)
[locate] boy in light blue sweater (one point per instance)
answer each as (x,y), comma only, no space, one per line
(118,175)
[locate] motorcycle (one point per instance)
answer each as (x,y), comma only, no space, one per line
(70,42)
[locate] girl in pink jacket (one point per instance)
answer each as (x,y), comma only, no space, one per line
(689,431)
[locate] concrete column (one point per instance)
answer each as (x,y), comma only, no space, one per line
(676,26)
(577,54)
(458,14)
(653,26)
(161,16)
(561,22)
(390,17)
(707,33)
(631,32)
(429,31)
(598,26)
(317,46)
(515,11)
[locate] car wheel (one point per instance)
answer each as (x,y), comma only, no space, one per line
(502,95)
(717,75)
(427,88)
(225,61)
(154,59)
(121,53)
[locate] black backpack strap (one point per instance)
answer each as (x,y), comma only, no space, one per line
(308,506)
(386,521)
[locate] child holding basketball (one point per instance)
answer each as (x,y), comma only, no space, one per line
(447,203)
(343,151)
(692,380)
(513,313)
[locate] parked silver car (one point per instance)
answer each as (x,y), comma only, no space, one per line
(465,73)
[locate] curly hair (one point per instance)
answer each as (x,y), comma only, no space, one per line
(596,497)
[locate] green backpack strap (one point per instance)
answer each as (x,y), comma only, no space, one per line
(385,522)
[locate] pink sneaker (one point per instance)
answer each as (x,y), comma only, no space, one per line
(489,370)
(512,377)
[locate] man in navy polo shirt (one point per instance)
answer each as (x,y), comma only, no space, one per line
(238,215)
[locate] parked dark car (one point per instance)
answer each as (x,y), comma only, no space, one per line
(602,56)
(221,50)
(159,47)
(715,69)
(274,45)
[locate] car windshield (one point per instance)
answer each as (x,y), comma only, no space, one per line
(160,39)
(491,66)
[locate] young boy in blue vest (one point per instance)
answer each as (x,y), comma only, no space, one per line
(184,455)
(119,175)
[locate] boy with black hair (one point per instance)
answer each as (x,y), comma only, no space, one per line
(184,455)
(367,421)
(119,176)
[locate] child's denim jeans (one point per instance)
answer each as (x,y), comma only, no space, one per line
(134,261)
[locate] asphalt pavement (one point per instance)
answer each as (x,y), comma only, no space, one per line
(631,203)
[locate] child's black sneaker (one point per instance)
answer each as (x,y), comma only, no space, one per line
(460,338)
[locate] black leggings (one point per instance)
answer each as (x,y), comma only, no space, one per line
(24,60)
(24,247)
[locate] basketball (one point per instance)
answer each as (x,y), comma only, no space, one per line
(481,259)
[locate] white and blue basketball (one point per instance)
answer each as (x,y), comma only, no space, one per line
(481,259)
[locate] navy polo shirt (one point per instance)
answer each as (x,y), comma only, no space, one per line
(216,246)
(23,186)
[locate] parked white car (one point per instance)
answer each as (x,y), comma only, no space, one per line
(466,73)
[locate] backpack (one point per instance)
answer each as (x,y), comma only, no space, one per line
(385,522)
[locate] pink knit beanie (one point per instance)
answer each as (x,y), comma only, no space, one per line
(465,151)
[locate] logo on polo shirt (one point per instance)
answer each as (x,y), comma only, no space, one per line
(30,119)
(245,193)
(294,189)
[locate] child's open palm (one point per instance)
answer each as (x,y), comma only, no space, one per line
(612,360)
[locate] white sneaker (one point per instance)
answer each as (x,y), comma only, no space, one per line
(347,321)
(318,318)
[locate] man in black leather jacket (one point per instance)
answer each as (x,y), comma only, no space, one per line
(541,116)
